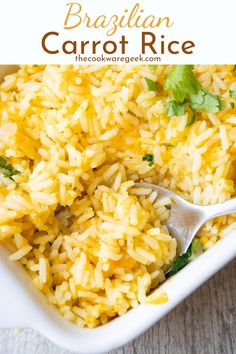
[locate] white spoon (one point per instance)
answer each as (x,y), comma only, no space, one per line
(186,218)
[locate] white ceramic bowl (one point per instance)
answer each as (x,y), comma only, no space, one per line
(21,305)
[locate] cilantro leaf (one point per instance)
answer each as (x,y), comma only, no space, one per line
(169,145)
(186,89)
(191,120)
(7,169)
(182,83)
(152,66)
(152,86)
(204,101)
(149,158)
(175,109)
(194,246)
(232,94)
(183,260)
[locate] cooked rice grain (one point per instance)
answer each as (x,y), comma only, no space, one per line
(92,243)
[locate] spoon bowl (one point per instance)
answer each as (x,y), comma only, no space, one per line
(186,218)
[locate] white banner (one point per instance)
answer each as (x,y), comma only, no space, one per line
(124,31)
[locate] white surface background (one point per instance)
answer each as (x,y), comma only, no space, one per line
(210,24)
(205,323)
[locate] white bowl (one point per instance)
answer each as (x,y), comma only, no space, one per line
(21,305)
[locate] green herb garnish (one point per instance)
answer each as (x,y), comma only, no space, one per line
(191,120)
(168,206)
(175,109)
(204,101)
(194,246)
(152,66)
(149,158)
(232,104)
(182,83)
(232,94)
(152,86)
(169,145)
(7,169)
(186,89)
(183,260)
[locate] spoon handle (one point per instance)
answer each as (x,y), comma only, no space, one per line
(220,209)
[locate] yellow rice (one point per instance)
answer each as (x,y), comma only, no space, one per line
(92,243)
